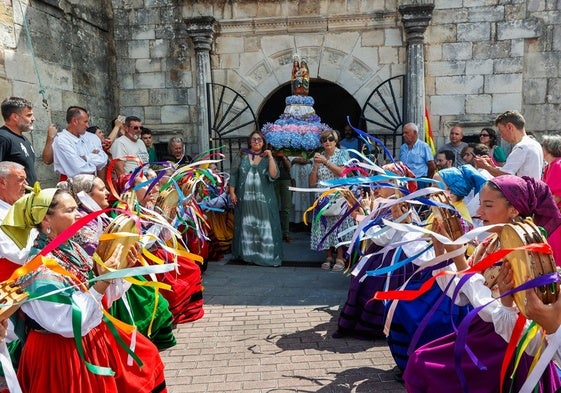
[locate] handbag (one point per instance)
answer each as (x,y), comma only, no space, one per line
(335,206)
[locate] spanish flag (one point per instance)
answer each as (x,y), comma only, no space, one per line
(428,132)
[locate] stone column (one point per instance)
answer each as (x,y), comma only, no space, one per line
(201,30)
(415,18)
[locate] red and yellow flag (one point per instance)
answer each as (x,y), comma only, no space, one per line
(429,138)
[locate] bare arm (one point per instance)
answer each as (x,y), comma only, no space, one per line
(114,134)
(431,169)
(486,163)
(47,155)
(313,178)
(273,169)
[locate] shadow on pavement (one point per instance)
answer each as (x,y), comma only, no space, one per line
(357,380)
(319,338)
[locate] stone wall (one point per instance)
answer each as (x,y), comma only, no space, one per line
(355,44)
(134,57)
(485,57)
(482,56)
(72,42)
(154,68)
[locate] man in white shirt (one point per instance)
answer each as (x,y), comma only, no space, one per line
(74,152)
(526,157)
(129,148)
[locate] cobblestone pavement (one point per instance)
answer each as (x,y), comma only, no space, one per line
(269,330)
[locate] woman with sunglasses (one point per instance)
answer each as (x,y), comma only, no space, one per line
(327,166)
(257,229)
(488,137)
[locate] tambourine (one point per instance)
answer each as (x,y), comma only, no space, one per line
(528,265)
(449,218)
(167,202)
(11,295)
(122,230)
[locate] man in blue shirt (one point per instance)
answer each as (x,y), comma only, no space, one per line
(416,154)
(350,141)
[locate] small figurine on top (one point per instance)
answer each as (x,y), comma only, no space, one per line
(300,77)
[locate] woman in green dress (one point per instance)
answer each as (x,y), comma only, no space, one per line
(257,230)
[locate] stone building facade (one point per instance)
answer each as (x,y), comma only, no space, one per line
(153,58)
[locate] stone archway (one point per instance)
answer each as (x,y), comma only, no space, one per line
(332,103)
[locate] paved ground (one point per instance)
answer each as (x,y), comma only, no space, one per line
(269,330)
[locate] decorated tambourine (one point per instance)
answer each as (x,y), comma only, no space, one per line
(526,264)
(11,296)
(167,202)
(122,230)
(448,218)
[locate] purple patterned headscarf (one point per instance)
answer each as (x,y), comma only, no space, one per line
(532,198)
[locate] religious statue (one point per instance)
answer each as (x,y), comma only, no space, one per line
(300,80)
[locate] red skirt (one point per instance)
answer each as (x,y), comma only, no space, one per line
(50,363)
(185,297)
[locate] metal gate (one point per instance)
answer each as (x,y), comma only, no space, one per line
(231,120)
(382,114)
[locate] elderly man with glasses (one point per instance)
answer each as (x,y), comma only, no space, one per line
(129,148)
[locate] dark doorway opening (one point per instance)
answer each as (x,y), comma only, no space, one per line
(332,103)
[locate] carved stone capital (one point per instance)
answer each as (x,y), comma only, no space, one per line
(416,18)
(201,30)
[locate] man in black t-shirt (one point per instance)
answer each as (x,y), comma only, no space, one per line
(18,118)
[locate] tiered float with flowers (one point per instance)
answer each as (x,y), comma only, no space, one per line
(298,129)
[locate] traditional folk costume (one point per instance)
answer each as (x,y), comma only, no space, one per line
(362,316)
(155,324)
(185,300)
(409,315)
(49,323)
(432,368)
(186,295)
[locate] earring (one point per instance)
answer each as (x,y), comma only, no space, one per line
(48,230)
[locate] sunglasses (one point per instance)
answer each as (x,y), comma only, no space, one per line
(136,127)
(257,139)
(480,135)
(329,138)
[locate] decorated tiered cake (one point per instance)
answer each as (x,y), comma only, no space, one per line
(299,127)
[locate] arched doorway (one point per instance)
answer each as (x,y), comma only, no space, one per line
(332,103)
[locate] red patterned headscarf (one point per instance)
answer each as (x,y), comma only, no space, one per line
(399,168)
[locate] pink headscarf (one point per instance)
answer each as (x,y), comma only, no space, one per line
(532,198)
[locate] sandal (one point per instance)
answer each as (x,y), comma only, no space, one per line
(327,264)
(339,265)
